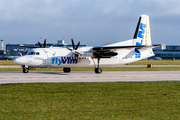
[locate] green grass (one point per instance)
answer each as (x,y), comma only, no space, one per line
(156,62)
(93,101)
(7,62)
(92,69)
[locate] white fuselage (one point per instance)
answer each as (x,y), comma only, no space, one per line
(57,57)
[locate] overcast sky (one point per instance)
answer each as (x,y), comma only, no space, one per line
(92,22)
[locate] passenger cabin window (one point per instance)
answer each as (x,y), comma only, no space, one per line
(37,53)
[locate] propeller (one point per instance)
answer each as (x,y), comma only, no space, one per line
(44,45)
(74,50)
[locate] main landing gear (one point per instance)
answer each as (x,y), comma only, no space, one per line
(67,70)
(98,69)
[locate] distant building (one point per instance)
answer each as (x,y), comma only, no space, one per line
(13,49)
(171,51)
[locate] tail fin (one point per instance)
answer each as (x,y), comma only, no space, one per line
(20,54)
(142,35)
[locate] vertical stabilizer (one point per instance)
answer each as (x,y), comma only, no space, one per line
(142,35)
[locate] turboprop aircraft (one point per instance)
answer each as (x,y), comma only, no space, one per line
(10,57)
(138,48)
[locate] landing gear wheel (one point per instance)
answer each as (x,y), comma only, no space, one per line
(98,70)
(25,70)
(67,70)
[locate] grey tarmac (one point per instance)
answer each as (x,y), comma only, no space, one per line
(19,66)
(106,76)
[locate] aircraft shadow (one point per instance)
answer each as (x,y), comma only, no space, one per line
(54,73)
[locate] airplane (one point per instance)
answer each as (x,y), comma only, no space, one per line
(138,48)
(10,57)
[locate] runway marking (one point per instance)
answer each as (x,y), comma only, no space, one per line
(114,76)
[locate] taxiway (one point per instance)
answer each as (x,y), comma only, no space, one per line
(106,76)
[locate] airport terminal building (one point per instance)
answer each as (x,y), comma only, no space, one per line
(170,52)
(14,49)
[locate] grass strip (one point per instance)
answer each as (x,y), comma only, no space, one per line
(92,101)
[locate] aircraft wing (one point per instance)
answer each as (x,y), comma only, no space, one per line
(114,48)
(110,51)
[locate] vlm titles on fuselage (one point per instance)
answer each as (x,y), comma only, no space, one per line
(68,60)
(138,48)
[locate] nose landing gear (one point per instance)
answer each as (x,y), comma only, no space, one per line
(25,69)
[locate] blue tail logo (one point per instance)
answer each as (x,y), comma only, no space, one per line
(138,55)
(141,33)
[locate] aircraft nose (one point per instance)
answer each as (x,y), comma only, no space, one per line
(22,60)
(16,60)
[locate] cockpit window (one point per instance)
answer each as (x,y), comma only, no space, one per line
(33,53)
(30,53)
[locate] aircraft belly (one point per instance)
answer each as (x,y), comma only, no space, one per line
(109,61)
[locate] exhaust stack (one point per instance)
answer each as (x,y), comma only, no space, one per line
(2,43)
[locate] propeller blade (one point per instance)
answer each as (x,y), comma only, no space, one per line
(69,48)
(73,43)
(39,44)
(44,43)
(77,46)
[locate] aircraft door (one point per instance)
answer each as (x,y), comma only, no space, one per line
(47,58)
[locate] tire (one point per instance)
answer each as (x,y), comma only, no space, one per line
(25,70)
(98,70)
(67,70)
